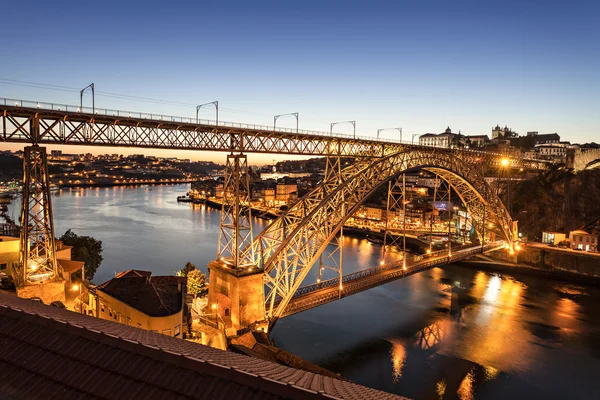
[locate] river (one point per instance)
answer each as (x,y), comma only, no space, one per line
(502,336)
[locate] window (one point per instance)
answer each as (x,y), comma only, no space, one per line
(139,325)
(177,330)
(3,266)
(102,307)
(166,332)
(227,312)
(109,312)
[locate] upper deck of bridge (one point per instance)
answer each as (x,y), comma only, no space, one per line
(69,124)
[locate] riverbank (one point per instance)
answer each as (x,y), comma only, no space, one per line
(578,268)
(124,183)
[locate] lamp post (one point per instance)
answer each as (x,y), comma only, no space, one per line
(90,86)
(76,287)
(342,122)
(284,115)
(389,129)
(214,103)
(413,137)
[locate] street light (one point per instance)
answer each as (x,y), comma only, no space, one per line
(389,129)
(214,103)
(285,115)
(215,307)
(342,122)
(413,137)
(90,86)
(76,287)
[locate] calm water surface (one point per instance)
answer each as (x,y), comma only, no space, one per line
(500,337)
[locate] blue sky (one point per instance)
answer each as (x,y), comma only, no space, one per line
(421,65)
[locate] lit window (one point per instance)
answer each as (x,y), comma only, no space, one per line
(102,307)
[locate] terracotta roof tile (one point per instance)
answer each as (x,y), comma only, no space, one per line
(69,355)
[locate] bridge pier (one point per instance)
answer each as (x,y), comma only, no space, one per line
(237,296)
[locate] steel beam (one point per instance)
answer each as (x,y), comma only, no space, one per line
(38,250)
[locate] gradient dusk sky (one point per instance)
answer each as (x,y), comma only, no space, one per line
(419,65)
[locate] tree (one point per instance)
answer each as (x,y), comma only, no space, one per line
(86,249)
(187,269)
(196,282)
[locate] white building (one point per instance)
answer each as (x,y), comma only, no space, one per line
(443,139)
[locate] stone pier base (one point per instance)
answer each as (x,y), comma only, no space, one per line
(237,296)
(47,291)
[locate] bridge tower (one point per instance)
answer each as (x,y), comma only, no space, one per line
(39,273)
(236,289)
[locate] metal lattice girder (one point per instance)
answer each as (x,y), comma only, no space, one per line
(123,130)
(291,245)
(395,202)
(37,253)
(235,232)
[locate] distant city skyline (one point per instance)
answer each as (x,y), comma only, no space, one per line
(420,66)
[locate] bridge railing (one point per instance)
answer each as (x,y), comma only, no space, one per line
(223,124)
(418,262)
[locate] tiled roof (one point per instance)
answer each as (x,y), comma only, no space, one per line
(133,273)
(70,266)
(47,352)
(153,296)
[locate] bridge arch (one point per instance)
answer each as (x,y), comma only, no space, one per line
(288,248)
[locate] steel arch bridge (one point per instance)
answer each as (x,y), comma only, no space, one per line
(290,246)
(263,275)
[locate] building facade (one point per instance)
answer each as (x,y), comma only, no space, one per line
(136,298)
(443,139)
(582,240)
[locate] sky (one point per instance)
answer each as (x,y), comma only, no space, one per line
(420,65)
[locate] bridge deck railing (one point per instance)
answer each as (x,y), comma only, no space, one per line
(309,301)
(222,124)
(417,261)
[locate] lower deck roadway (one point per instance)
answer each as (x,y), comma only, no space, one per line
(318,294)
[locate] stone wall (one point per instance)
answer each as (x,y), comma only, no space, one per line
(580,263)
(579,159)
(48,291)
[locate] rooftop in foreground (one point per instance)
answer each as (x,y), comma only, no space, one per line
(47,352)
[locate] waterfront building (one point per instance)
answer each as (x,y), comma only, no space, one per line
(582,240)
(286,193)
(553,237)
(136,298)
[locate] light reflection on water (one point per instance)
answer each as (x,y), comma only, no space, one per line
(499,337)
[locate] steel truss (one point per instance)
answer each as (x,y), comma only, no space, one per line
(235,231)
(334,260)
(396,200)
(37,254)
(292,244)
(125,130)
